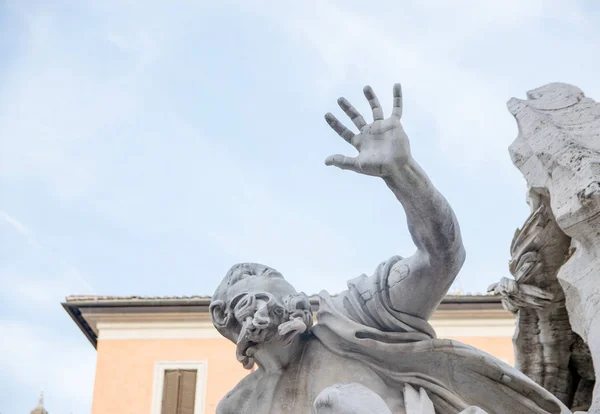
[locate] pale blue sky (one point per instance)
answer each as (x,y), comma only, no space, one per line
(146,146)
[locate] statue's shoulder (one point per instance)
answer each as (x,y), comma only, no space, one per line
(239,396)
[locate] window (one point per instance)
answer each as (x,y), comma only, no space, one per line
(179,391)
(179,387)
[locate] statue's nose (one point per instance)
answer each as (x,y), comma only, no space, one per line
(261,317)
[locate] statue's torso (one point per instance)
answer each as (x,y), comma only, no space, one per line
(295,389)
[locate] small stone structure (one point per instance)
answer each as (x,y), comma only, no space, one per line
(39,409)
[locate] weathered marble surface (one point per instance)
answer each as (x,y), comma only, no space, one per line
(558,152)
(546,348)
(349,399)
(357,399)
(375,333)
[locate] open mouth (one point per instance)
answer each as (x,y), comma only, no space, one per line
(247,349)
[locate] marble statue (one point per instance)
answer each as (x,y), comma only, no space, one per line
(375,333)
(556,256)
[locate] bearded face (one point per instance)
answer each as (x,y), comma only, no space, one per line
(255,307)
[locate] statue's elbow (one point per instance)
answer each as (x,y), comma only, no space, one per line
(450,258)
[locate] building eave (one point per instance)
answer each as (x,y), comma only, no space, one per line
(77,306)
(75,314)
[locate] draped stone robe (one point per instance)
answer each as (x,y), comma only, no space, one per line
(362,324)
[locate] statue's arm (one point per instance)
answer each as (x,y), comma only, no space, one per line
(418,283)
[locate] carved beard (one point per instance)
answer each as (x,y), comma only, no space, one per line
(263,320)
(250,339)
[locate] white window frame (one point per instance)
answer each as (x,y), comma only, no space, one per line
(159,382)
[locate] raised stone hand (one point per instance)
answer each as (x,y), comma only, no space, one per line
(382,145)
(416,284)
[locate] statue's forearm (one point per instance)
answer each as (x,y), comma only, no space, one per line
(431,221)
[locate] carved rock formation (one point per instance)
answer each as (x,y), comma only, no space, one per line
(558,152)
(546,348)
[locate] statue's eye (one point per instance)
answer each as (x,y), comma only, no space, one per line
(245,301)
(241,301)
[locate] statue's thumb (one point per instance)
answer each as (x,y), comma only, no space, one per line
(343,162)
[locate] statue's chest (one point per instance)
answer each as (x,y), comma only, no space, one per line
(283,393)
(295,389)
(299,386)
(293,393)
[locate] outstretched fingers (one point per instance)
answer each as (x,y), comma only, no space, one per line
(374,102)
(352,113)
(343,162)
(397,111)
(338,127)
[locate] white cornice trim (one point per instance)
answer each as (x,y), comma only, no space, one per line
(156,330)
(479,328)
(150,325)
(472,314)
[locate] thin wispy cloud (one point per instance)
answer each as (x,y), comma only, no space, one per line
(18,227)
(416,42)
(72,277)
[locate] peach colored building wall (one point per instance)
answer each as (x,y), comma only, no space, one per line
(125,368)
(125,371)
